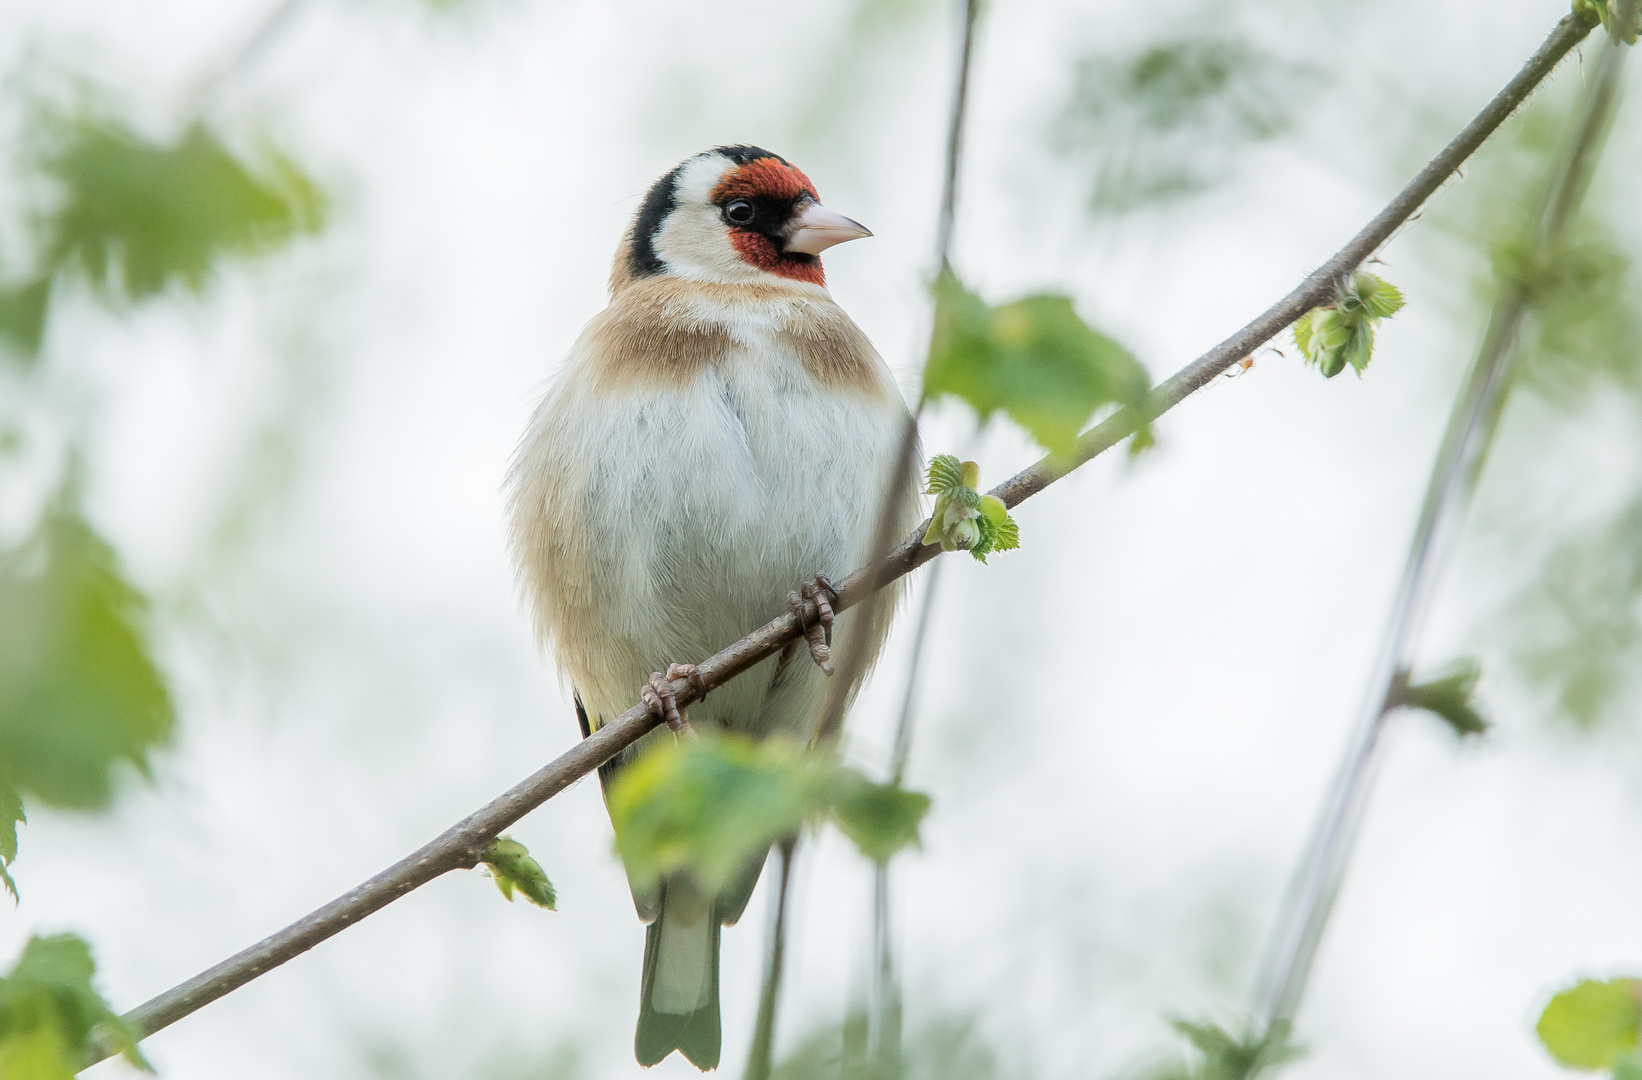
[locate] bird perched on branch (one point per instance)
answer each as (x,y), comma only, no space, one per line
(718,443)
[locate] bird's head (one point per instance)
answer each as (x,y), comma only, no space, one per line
(733,214)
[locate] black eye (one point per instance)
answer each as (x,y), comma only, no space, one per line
(739,212)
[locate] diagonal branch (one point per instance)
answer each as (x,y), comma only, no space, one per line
(458,847)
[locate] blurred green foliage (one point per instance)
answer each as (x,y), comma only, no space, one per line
(1222,1056)
(1574,630)
(1174,117)
(1594,1025)
(1033,359)
(879,819)
(134,216)
(713,803)
(1608,14)
(50,1013)
(23,315)
(1342,333)
(79,689)
(946,1047)
(11,816)
(1587,325)
(493,1059)
(1449,698)
(512,868)
(710,804)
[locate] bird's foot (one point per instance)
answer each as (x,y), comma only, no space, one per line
(819,634)
(663,701)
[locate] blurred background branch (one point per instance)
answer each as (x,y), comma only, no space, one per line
(1292,948)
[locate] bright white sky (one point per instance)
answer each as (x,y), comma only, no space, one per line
(1129,724)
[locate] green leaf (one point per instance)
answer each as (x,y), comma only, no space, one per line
(1590,1025)
(136,215)
(1627,1067)
(79,689)
(36,1053)
(11,816)
(945,473)
(512,868)
(50,1013)
(1302,334)
(880,819)
(710,804)
(1448,698)
(23,316)
(1034,360)
(995,536)
(1360,348)
(1009,536)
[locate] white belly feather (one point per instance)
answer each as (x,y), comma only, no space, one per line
(658,522)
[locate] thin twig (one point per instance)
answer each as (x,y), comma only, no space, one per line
(885,1024)
(769,997)
(280,18)
(886,988)
(901,750)
(955,138)
(1309,903)
(856,655)
(887,1005)
(458,846)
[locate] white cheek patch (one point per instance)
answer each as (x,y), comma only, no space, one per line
(693,240)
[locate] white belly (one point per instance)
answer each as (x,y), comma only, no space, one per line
(699,507)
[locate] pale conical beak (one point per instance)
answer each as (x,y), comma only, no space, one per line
(819,229)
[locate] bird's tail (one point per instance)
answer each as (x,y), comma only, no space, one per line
(678,1006)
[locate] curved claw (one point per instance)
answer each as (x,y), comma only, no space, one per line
(819,636)
(691,673)
(658,693)
(823,595)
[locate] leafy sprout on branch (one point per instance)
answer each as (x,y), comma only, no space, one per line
(1343,332)
(1605,12)
(963,518)
(512,868)
(1449,698)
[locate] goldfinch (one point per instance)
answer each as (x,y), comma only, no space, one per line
(718,442)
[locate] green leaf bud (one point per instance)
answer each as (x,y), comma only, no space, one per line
(511,866)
